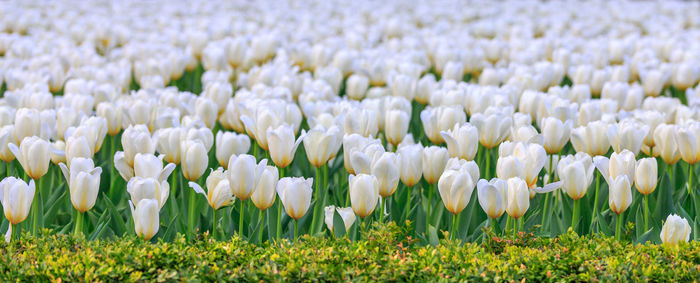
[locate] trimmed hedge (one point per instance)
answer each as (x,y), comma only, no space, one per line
(386,254)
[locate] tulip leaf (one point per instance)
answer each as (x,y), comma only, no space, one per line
(639,221)
(102,222)
(338,225)
(646,236)
(604,226)
(433,236)
(121,227)
(664,202)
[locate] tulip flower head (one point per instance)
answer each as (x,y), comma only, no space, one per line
(492,196)
(387,170)
(244,174)
(230,143)
(33,155)
(17,197)
(456,187)
(219,193)
(322,144)
(345,213)
(83,182)
(364,194)
(264,195)
(146,218)
(295,195)
(411,164)
(462,141)
(646,175)
(434,162)
(518,197)
(140,188)
(675,230)
(282,145)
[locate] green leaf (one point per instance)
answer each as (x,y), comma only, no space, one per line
(644,237)
(338,225)
(432,236)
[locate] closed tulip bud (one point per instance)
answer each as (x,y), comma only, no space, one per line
(387,171)
(33,155)
(492,196)
(27,123)
(168,143)
(687,138)
(96,129)
(137,139)
(66,117)
(113,116)
(322,144)
(219,193)
(264,195)
(244,173)
(361,121)
(653,82)
(396,126)
(138,112)
(675,230)
(434,162)
(194,159)
(509,167)
(620,194)
(442,118)
(356,86)
(455,187)
(462,141)
(627,135)
(345,213)
(411,164)
(146,218)
(207,110)
(150,166)
(591,139)
(364,194)
(576,177)
(295,195)
(493,129)
(140,188)
(219,93)
(257,126)
(83,182)
(685,75)
(7,134)
(645,175)
(555,133)
(666,143)
(16,197)
(352,143)
(230,143)
(282,145)
(518,197)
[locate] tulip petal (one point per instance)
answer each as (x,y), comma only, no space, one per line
(8,234)
(197,188)
(65,170)
(167,170)
(548,187)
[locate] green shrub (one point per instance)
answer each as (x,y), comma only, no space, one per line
(386,253)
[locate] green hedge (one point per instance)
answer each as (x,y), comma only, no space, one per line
(386,254)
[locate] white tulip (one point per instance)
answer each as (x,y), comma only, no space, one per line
(518,197)
(244,174)
(282,145)
(295,195)
(16,197)
(140,188)
(462,141)
(33,155)
(83,182)
(219,193)
(675,230)
(146,218)
(492,196)
(364,194)
(345,213)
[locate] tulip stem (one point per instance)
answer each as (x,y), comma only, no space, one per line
(515,227)
(240,218)
(595,196)
(262,224)
(173,189)
(508,222)
(317,198)
(296,229)
(213,225)
(35,208)
(381,209)
(574,218)
(646,213)
(13,230)
(430,204)
(191,213)
(278,232)
(488,163)
(455,217)
(544,211)
(618,227)
(407,209)
(78,223)
(690,180)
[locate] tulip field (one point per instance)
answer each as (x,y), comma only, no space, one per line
(492,128)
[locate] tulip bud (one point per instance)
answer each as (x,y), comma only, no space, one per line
(27,123)
(556,134)
(7,137)
(411,164)
(244,174)
(462,141)
(627,135)
(345,213)
(66,117)
(83,181)
(666,143)
(675,230)
(282,146)
(455,187)
(219,192)
(577,176)
(33,155)
(364,194)
(321,144)
(194,159)
(645,175)
(230,143)
(434,162)
(295,195)
(493,129)
(396,126)
(492,196)
(113,116)
(532,156)
(620,194)
(150,166)
(591,139)
(264,195)
(140,188)
(146,218)
(386,169)
(518,199)
(509,167)
(442,118)
(687,138)
(137,139)
(356,86)
(17,197)
(352,143)
(361,121)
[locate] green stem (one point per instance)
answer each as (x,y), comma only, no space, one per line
(493,223)
(430,204)
(191,212)
(296,229)
(618,227)
(213,225)
(595,196)
(240,218)
(646,213)
(515,227)
(454,226)
(544,211)
(173,189)
(690,180)
(35,210)
(13,232)
(318,205)
(78,223)
(381,209)
(574,219)
(278,232)
(262,224)
(488,164)
(508,223)
(407,209)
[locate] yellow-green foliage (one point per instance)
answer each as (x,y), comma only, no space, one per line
(386,254)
